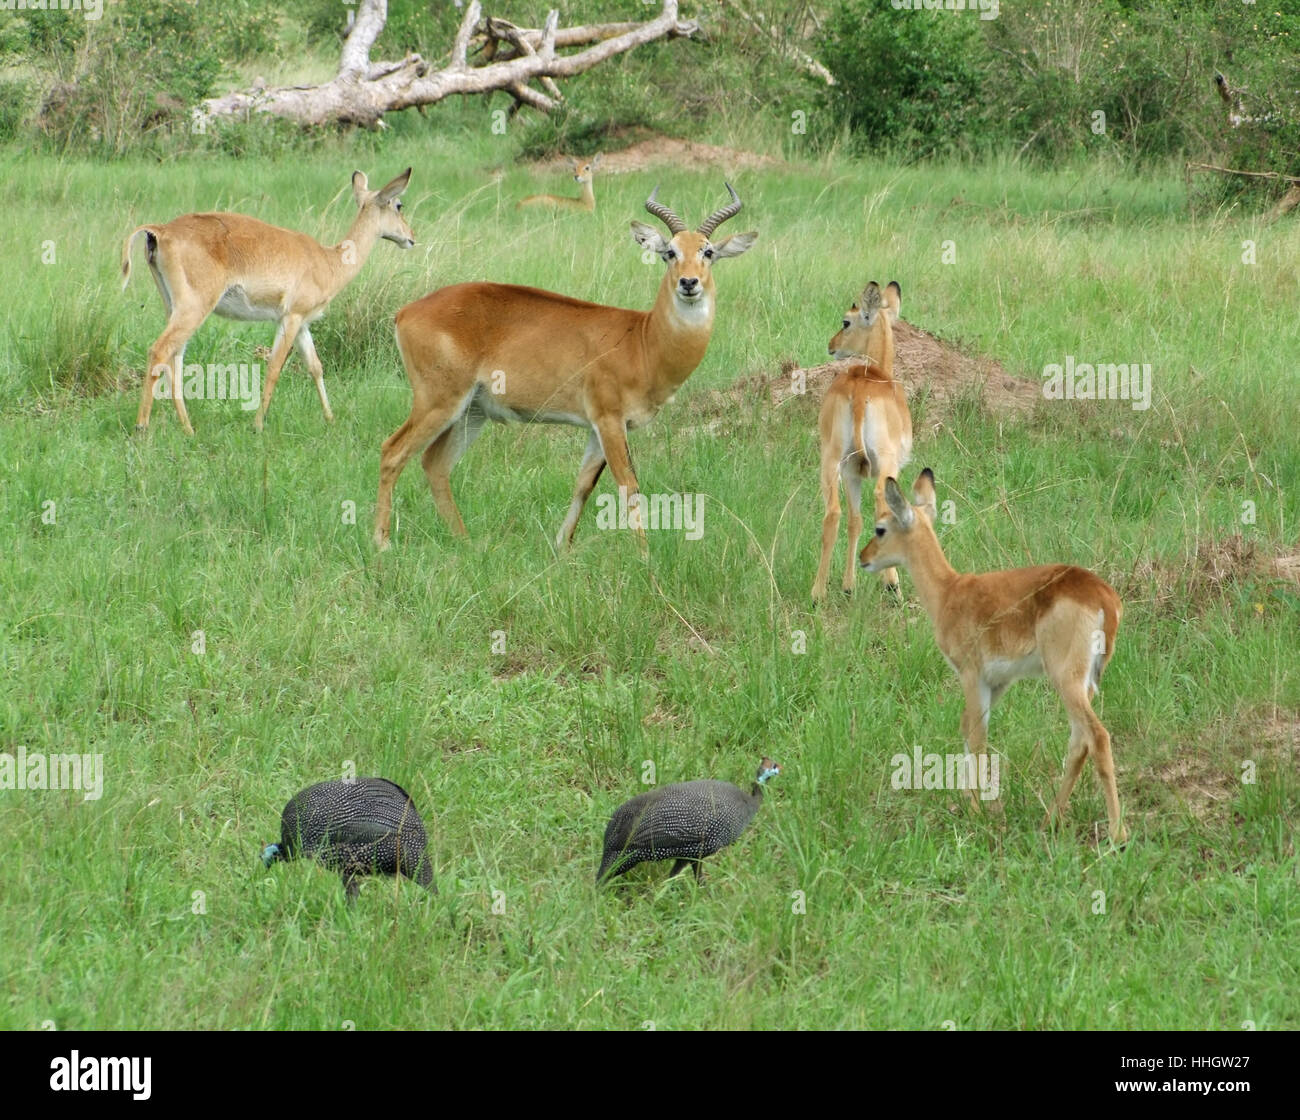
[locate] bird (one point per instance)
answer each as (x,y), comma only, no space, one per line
(359,826)
(683,822)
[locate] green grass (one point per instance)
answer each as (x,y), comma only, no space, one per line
(320,653)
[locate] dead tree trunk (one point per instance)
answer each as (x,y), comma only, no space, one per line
(362,91)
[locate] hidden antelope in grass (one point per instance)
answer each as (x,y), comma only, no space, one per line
(583,173)
(241,268)
(865,425)
(1057,621)
(477,352)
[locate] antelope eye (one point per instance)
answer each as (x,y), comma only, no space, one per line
(880,530)
(398,205)
(846,324)
(708,254)
(670,255)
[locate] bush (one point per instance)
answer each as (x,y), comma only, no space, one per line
(906,78)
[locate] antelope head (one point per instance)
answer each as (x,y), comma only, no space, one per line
(384,207)
(690,254)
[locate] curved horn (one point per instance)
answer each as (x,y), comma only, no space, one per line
(719,216)
(663,213)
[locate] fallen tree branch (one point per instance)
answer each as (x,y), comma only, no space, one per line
(362,92)
(805,60)
(1248,174)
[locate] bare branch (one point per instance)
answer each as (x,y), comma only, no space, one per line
(806,61)
(460,48)
(362,92)
(371,17)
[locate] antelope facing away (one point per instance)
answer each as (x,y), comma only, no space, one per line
(865,425)
(994,629)
(245,269)
(583,174)
(477,352)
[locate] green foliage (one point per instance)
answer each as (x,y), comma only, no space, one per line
(1059,79)
(318,651)
(909,79)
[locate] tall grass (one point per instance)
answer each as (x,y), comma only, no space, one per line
(849,903)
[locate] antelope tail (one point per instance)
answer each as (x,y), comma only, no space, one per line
(126,249)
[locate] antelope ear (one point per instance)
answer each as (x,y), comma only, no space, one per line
(898,506)
(894,298)
(924,496)
(734,245)
(359,186)
(396,187)
(649,238)
(595,163)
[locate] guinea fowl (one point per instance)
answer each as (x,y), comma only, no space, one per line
(683,822)
(365,826)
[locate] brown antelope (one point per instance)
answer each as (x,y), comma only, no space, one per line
(994,629)
(477,352)
(245,269)
(865,426)
(582,173)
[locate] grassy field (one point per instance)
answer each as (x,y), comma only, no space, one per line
(149,907)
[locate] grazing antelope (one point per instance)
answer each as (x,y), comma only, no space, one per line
(993,629)
(582,173)
(245,269)
(477,352)
(865,426)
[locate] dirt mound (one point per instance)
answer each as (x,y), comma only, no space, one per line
(1287,566)
(658,150)
(1206,777)
(928,369)
(1176,585)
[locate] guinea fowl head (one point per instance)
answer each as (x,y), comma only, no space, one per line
(767,769)
(270,854)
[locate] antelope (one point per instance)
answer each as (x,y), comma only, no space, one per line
(865,426)
(993,629)
(244,269)
(582,173)
(479,351)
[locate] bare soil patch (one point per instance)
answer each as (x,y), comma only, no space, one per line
(1174,585)
(1206,778)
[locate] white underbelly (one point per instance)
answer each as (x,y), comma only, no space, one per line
(493,406)
(235,304)
(999,672)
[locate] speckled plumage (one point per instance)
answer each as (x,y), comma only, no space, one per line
(367,826)
(684,822)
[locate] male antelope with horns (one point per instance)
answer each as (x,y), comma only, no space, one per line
(477,352)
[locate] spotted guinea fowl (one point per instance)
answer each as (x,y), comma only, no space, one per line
(365,826)
(683,822)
